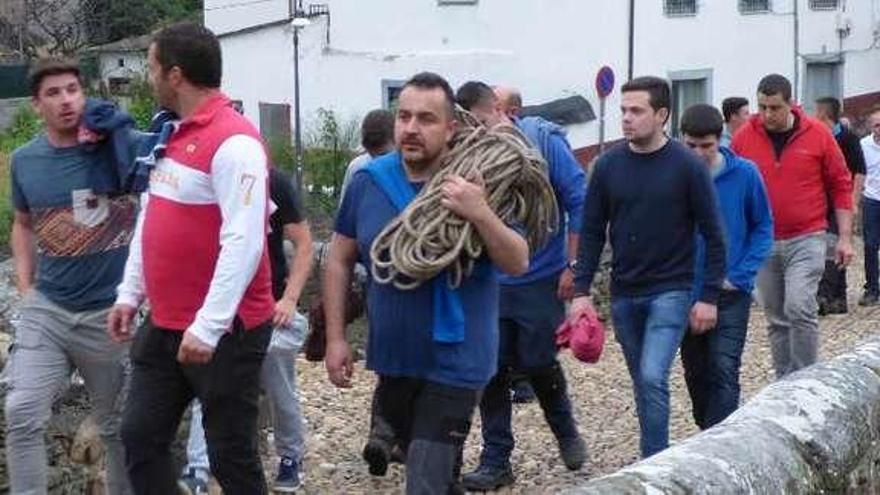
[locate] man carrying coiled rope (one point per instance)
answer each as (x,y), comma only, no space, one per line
(431,371)
(531,307)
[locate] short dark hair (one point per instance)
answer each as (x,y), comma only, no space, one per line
(775,84)
(430,80)
(472,93)
(702,120)
(831,105)
(515,99)
(730,106)
(50,66)
(194,49)
(377,130)
(657,88)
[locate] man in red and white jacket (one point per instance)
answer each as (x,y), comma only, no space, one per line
(803,170)
(199,256)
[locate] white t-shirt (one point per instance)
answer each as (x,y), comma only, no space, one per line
(354,165)
(871,150)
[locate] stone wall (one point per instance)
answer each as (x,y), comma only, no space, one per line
(815,431)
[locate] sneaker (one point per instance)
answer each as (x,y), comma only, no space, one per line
(522,392)
(192,483)
(377,456)
(573,452)
(288,479)
(869,299)
(487,479)
(398,456)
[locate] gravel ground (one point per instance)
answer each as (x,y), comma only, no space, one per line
(602,396)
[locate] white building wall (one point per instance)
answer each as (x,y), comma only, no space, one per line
(134,65)
(548,49)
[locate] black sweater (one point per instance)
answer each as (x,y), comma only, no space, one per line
(654,203)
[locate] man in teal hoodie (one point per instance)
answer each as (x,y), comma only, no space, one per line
(712,358)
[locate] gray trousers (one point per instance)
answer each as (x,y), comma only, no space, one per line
(787,286)
(49,342)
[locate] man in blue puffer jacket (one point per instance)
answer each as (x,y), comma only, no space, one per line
(712,359)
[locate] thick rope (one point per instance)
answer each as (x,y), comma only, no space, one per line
(427,238)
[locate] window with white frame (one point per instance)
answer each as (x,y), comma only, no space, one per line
(688,88)
(824,4)
(754,6)
(680,7)
(390,91)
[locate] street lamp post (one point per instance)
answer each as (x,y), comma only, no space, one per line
(298,22)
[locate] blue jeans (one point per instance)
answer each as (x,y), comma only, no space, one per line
(529,316)
(649,330)
(871,233)
(712,360)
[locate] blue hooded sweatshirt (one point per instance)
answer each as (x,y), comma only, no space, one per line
(570,185)
(746,220)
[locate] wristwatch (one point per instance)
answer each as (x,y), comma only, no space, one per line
(572,264)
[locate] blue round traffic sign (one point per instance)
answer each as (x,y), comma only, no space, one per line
(605,81)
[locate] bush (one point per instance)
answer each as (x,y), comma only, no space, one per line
(25,125)
(142,104)
(328,149)
(6,209)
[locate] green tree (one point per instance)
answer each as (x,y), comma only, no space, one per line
(111,20)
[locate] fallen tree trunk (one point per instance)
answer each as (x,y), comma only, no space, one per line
(816,431)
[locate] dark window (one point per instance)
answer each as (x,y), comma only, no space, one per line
(119,85)
(686,92)
(754,6)
(823,4)
(390,93)
(680,7)
(456,2)
(121,62)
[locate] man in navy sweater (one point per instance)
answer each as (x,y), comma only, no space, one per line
(655,194)
(712,358)
(531,306)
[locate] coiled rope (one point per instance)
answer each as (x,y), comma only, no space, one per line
(427,238)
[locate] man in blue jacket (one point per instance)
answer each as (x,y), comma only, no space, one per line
(531,306)
(711,358)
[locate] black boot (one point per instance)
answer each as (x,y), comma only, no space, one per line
(550,387)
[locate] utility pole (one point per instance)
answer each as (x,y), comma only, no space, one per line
(797,58)
(295,14)
(632,39)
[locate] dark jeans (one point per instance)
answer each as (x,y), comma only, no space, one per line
(832,287)
(530,315)
(650,329)
(871,235)
(712,361)
(161,389)
(430,421)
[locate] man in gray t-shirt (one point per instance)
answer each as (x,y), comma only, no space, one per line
(68,286)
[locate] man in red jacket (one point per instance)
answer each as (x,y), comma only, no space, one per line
(199,257)
(803,169)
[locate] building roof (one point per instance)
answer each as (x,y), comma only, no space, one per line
(133,44)
(565,111)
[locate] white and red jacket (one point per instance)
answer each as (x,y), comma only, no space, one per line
(199,250)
